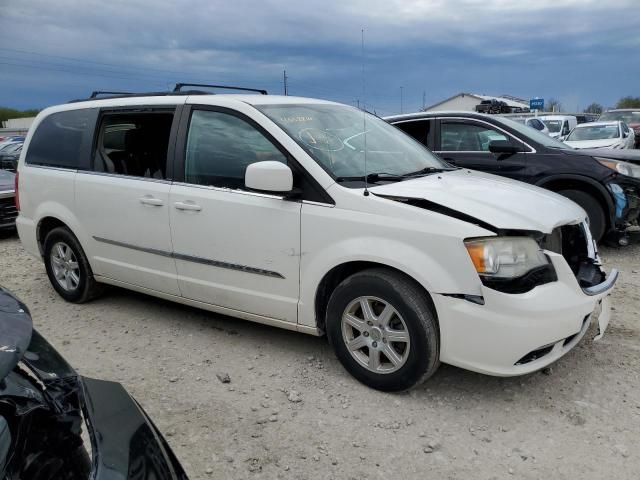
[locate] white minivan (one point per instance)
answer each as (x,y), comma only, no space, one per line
(311,216)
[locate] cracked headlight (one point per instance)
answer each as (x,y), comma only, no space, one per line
(625,168)
(505,257)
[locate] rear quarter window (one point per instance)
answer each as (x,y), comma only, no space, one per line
(60,138)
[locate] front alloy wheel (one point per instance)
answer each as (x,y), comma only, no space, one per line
(384,330)
(375,334)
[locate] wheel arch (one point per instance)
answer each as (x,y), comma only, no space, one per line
(338,273)
(588,185)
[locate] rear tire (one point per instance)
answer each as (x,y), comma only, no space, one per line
(68,268)
(394,345)
(597,217)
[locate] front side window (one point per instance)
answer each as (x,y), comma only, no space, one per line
(467,137)
(133,144)
(339,138)
(58,139)
(221,146)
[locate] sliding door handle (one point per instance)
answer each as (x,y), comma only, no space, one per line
(188,206)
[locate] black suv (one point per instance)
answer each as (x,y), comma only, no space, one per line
(606,188)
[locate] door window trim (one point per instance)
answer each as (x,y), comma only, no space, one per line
(472,120)
(180,150)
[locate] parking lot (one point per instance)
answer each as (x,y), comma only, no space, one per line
(289,410)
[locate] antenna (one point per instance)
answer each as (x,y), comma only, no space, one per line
(364,120)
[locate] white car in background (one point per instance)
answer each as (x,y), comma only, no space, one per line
(534,123)
(600,135)
(559,125)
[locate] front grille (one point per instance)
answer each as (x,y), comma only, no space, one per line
(8,212)
(571,241)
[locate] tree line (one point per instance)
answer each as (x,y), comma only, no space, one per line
(7,113)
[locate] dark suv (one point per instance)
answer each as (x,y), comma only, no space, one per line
(606,188)
(493,106)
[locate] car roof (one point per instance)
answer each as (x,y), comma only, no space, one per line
(442,113)
(556,117)
(181,99)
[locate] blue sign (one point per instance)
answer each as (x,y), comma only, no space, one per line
(536,104)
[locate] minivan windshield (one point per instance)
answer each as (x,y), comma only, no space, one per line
(554,126)
(533,134)
(336,138)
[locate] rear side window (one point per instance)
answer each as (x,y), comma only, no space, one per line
(133,144)
(418,129)
(58,140)
(221,146)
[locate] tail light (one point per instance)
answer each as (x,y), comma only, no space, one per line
(17,196)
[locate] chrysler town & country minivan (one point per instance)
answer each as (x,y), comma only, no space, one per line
(311,216)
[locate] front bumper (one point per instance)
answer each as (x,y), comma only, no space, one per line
(515,334)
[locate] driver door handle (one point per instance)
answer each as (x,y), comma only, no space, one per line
(149,200)
(188,206)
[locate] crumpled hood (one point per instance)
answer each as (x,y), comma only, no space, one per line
(607,142)
(498,201)
(626,155)
(15,331)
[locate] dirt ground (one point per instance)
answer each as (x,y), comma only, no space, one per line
(291,411)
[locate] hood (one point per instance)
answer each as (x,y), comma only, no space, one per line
(15,331)
(7,180)
(503,203)
(625,155)
(580,144)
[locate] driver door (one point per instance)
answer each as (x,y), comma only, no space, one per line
(234,248)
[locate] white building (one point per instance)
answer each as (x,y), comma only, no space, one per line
(468,102)
(18,123)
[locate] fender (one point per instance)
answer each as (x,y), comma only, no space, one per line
(580,178)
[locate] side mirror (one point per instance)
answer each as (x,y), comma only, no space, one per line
(269,176)
(502,146)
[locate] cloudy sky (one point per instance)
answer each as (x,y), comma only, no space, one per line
(577,51)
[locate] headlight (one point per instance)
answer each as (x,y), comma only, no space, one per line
(625,168)
(505,257)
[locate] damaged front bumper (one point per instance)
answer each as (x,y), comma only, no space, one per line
(124,441)
(515,334)
(125,444)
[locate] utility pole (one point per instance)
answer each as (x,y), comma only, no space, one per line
(284,78)
(401,101)
(424,100)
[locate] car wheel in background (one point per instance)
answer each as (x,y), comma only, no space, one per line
(68,268)
(384,330)
(597,217)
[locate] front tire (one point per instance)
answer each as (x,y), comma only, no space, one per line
(383,329)
(597,217)
(68,268)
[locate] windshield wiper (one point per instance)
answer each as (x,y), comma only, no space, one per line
(372,177)
(383,176)
(426,171)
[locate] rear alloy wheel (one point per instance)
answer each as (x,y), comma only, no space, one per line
(383,329)
(68,268)
(597,217)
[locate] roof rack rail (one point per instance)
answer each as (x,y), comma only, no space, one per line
(179,86)
(96,93)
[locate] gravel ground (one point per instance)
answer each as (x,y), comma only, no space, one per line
(289,410)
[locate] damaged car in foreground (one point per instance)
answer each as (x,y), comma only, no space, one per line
(315,217)
(45,405)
